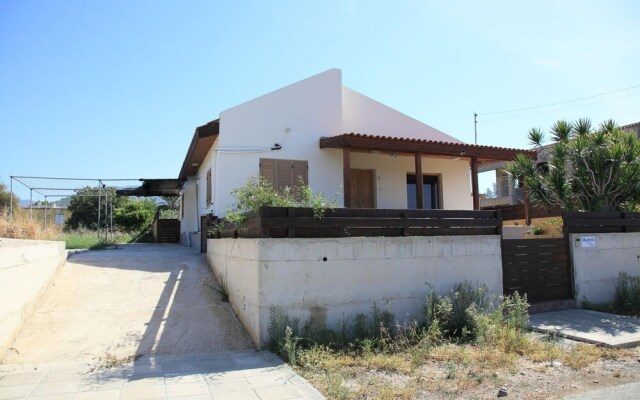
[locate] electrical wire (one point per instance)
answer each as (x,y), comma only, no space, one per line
(558,103)
(560,109)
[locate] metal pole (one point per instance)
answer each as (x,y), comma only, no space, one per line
(106,214)
(99,199)
(31,204)
(45,211)
(475,127)
(11,199)
(112,219)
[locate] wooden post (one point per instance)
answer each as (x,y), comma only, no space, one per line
(346,176)
(474,183)
(419,182)
(527,207)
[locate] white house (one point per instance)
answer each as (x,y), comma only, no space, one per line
(337,140)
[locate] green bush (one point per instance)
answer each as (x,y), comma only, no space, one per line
(451,315)
(132,216)
(257,192)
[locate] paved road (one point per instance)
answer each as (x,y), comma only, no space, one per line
(159,304)
(630,391)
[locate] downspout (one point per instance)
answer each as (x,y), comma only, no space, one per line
(197,204)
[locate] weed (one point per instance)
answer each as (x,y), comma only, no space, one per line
(627,295)
(109,361)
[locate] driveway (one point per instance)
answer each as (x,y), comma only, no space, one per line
(140,322)
(138,299)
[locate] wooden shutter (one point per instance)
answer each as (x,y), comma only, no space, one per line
(209,187)
(284,173)
(300,173)
(268,170)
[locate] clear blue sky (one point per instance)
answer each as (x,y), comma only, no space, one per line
(116,88)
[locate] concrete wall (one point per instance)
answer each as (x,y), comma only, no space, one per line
(326,281)
(596,268)
(26,269)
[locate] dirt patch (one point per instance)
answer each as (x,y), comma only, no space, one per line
(455,373)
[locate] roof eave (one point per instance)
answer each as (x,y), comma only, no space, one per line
(404,145)
(191,162)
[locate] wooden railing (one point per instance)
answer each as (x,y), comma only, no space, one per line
(601,222)
(510,213)
(280,222)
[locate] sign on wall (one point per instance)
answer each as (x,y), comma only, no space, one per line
(588,241)
(59,220)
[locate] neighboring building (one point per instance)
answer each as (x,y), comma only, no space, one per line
(336,140)
(635,128)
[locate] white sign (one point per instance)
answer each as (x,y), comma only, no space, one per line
(59,219)
(588,241)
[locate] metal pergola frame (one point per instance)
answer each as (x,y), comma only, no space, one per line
(45,192)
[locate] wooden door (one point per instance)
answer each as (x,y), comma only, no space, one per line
(362,188)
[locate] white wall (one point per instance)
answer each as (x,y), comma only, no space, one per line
(362,114)
(26,269)
(295,117)
(392,272)
(391,179)
(189,218)
(596,269)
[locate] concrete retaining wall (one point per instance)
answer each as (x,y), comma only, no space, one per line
(596,268)
(327,281)
(27,267)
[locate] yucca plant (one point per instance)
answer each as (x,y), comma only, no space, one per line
(586,169)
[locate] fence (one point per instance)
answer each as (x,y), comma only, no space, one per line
(279,222)
(510,213)
(601,222)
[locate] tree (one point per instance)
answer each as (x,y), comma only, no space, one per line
(5,199)
(134,215)
(586,169)
(84,207)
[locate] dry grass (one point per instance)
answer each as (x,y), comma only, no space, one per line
(23,228)
(448,370)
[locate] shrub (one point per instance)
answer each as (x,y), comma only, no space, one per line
(257,192)
(451,315)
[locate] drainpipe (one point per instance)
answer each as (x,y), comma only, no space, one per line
(197,204)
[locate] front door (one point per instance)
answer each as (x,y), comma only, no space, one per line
(362,194)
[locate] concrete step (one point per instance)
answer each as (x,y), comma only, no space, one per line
(553,305)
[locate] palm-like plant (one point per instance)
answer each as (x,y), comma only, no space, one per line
(561,131)
(536,137)
(589,171)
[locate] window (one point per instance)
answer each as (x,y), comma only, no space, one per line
(430,192)
(284,173)
(209,187)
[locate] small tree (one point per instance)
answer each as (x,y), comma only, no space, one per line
(84,207)
(6,198)
(132,216)
(586,169)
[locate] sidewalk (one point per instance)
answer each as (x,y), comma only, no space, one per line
(219,375)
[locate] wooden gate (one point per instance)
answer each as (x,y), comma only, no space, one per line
(167,231)
(541,268)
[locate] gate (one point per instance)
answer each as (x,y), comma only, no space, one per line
(541,268)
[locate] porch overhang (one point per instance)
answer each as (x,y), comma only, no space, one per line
(154,187)
(362,142)
(477,155)
(203,139)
